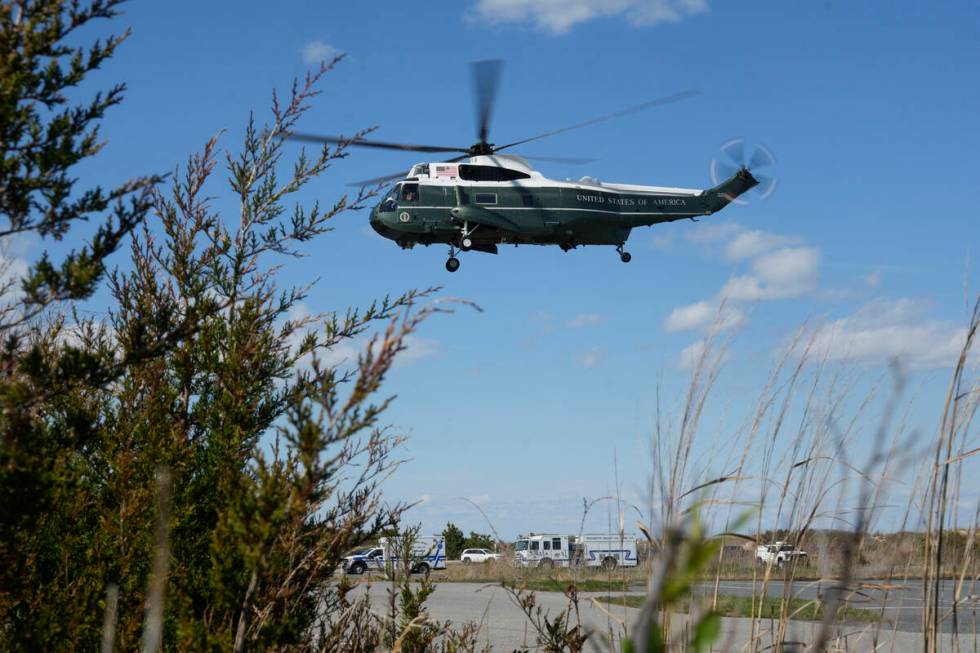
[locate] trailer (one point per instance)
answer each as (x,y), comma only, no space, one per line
(606,551)
(546,550)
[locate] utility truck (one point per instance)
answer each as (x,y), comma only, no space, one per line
(548,550)
(428,552)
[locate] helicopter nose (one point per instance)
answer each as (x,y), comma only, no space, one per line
(376,222)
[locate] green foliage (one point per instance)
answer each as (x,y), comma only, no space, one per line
(455,542)
(207,369)
(480,541)
(43,137)
(681,561)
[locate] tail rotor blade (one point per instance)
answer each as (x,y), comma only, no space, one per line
(735,151)
(761,157)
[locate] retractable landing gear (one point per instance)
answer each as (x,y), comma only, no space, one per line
(453,263)
(465,242)
(624,256)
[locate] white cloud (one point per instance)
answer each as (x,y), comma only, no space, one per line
(749,244)
(584,319)
(702,315)
(662,241)
(711,232)
(891,329)
(559,16)
(591,358)
(316,51)
(691,355)
(417,349)
(692,316)
(784,274)
(12,270)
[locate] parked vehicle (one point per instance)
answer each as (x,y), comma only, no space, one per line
(478,555)
(778,554)
(428,552)
(548,550)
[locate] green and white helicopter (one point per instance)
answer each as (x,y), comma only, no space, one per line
(481,198)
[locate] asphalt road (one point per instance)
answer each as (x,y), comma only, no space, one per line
(506,627)
(900,603)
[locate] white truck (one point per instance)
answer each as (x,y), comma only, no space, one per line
(548,550)
(778,554)
(428,552)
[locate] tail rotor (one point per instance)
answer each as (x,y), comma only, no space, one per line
(736,154)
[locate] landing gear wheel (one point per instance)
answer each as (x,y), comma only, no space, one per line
(609,563)
(466,244)
(546,563)
(452,264)
(624,256)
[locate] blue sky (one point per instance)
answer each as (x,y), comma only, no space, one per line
(870,108)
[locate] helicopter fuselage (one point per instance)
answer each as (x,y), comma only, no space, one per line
(500,200)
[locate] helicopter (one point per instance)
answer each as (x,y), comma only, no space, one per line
(483,198)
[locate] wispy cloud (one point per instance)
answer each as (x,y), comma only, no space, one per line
(704,314)
(784,274)
(560,16)
(748,244)
(591,358)
(316,51)
(883,330)
(584,319)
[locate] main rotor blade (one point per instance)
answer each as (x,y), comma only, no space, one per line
(378,180)
(486,77)
(667,99)
(556,159)
(363,142)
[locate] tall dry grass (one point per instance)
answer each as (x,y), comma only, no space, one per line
(823,459)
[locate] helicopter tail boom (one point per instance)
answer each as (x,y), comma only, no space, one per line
(724,193)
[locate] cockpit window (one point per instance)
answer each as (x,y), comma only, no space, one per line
(388,203)
(410,193)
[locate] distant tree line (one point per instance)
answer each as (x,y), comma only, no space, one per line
(456,542)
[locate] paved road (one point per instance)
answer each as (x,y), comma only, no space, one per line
(899,602)
(507,628)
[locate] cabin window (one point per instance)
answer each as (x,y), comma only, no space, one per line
(556,543)
(547,545)
(410,193)
(490,173)
(485,198)
(534,545)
